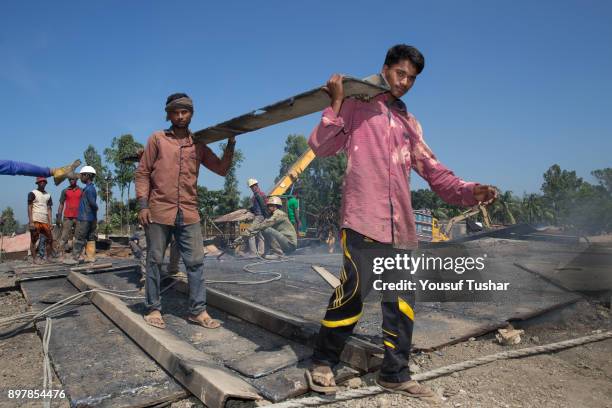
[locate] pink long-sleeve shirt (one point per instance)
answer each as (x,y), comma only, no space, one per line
(383,141)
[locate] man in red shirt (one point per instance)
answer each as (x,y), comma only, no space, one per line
(69,207)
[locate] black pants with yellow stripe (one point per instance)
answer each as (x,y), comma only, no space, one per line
(346,307)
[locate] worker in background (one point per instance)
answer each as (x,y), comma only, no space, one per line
(382,141)
(260,211)
(293,210)
(171,159)
(87,219)
(16,168)
(278,232)
(68,212)
(39,218)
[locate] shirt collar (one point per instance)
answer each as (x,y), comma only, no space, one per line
(170,131)
(397,104)
(390,101)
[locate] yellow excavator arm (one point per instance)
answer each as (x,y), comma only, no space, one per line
(294,172)
(446,233)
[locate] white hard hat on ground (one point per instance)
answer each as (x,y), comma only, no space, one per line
(275,200)
(87,169)
(251,182)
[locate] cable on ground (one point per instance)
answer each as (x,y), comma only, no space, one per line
(438,372)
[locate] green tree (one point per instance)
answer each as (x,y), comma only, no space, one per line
(295,146)
(560,188)
(320,184)
(104,178)
(424,198)
(230,196)
(504,209)
(592,210)
(93,159)
(534,210)
(122,147)
(208,201)
(245,202)
(604,177)
(9,224)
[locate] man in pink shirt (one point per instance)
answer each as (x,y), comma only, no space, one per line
(383,142)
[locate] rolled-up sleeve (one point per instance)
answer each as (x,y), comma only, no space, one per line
(142,176)
(331,134)
(267,223)
(442,181)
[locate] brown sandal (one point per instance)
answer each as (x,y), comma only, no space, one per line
(207,323)
(313,382)
(154,320)
(408,388)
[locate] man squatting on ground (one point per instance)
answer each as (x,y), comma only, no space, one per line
(166,180)
(382,141)
(39,218)
(68,212)
(279,235)
(15,168)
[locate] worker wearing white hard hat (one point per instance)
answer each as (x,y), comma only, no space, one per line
(279,235)
(87,170)
(87,220)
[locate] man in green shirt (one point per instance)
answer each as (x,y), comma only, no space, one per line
(279,235)
(293,211)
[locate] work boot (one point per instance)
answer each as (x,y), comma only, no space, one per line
(90,252)
(409,388)
(62,173)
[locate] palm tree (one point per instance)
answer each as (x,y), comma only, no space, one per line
(502,210)
(535,211)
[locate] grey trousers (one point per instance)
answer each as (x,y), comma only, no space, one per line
(85,232)
(256,243)
(69,226)
(276,242)
(189,241)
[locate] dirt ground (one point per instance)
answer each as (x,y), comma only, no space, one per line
(21,359)
(577,377)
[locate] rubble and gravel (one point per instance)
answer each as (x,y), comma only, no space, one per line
(577,377)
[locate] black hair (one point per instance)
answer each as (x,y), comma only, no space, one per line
(401,52)
(176,96)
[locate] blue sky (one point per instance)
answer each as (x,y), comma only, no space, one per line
(509,88)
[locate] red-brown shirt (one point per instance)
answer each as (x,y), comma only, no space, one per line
(167,176)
